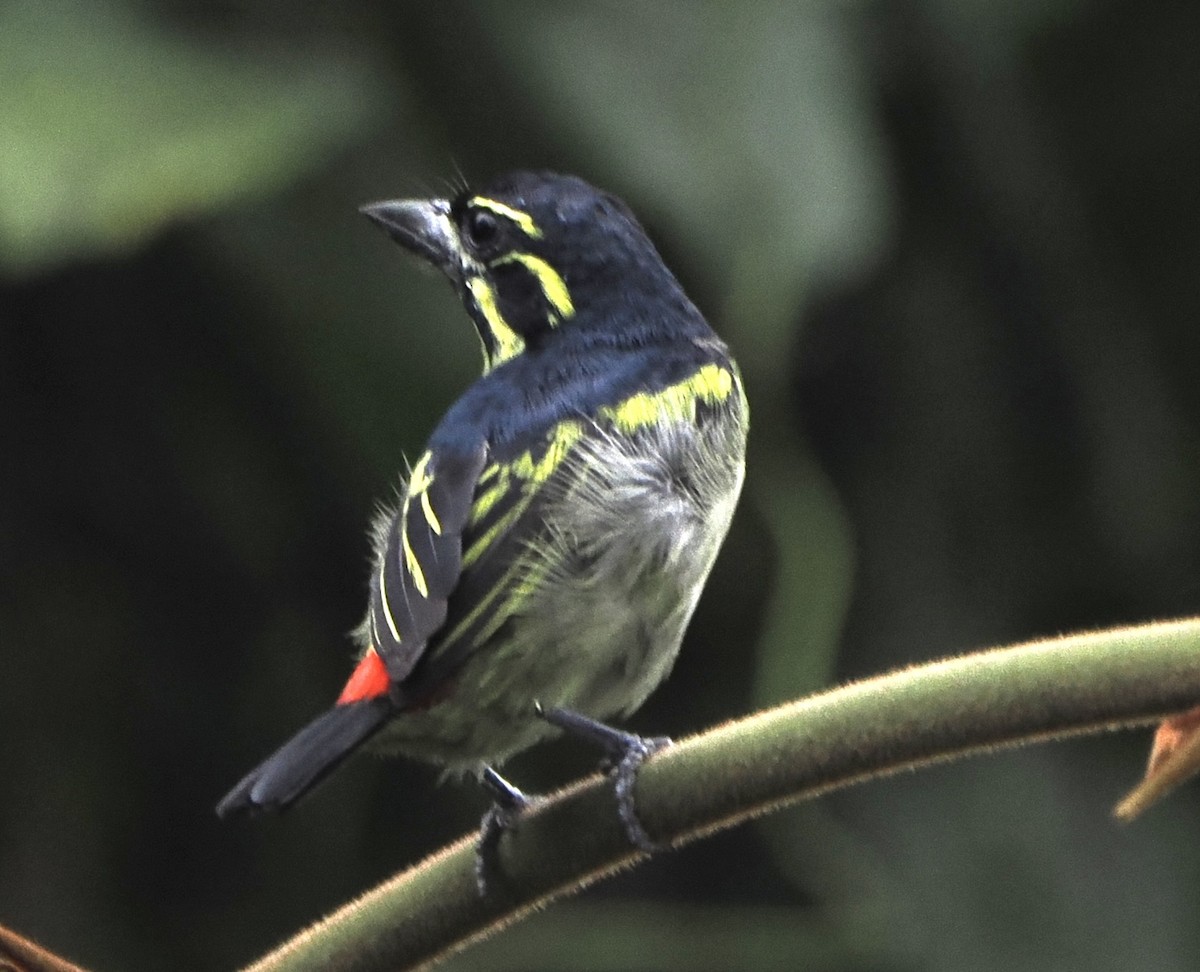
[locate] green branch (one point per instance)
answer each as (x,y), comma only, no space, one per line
(926,714)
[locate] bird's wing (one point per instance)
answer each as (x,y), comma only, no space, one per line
(420,556)
(500,560)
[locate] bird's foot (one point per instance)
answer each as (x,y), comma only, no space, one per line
(508,803)
(626,751)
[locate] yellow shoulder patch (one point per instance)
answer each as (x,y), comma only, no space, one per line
(710,384)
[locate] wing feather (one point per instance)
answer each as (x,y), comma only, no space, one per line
(503,527)
(420,557)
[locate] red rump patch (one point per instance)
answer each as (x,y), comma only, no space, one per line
(369,680)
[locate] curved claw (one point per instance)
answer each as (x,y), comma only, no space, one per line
(507,806)
(628,751)
(625,777)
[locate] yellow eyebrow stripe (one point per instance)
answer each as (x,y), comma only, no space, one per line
(522,219)
(549,279)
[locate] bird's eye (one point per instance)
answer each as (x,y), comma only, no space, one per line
(482,227)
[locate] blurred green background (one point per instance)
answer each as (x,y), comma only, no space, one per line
(955,246)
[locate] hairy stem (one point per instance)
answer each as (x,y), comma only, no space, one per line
(907,719)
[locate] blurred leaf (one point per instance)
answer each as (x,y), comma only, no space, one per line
(112,126)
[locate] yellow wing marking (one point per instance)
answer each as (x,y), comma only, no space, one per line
(430,517)
(477,612)
(420,480)
(387,611)
(533,472)
(413,565)
(487,499)
(562,439)
(475,551)
(418,485)
(522,219)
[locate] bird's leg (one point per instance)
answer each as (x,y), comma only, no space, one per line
(626,751)
(507,805)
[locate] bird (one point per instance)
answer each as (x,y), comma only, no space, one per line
(546,553)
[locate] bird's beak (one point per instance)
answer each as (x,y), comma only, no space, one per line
(423,227)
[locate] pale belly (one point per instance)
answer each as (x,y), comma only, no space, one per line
(620,567)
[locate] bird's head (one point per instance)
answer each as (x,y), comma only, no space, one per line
(532,253)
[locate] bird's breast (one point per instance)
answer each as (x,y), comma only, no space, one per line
(627,549)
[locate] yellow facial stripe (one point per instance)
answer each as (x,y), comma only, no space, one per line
(508,343)
(710,384)
(522,219)
(549,279)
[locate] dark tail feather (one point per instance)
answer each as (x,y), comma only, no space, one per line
(307,757)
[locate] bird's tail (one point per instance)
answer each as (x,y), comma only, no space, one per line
(305,759)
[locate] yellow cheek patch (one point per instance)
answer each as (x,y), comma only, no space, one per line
(550,280)
(711,384)
(508,343)
(522,219)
